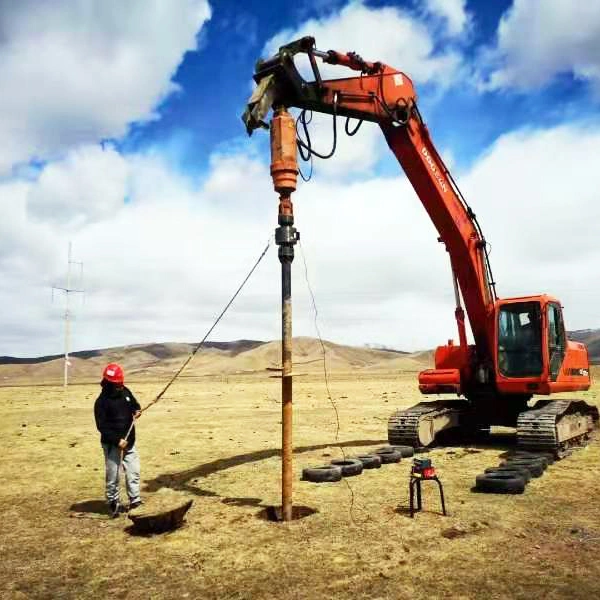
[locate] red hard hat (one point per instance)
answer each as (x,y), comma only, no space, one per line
(113,372)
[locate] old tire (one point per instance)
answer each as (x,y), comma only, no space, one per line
(370,461)
(547,456)
(535,468)
(539,459)
(388,449)
(499,483)
(519,471)
(388,455)
(323,474)
(349,466)
(405,451)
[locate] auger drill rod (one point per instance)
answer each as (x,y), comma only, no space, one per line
(520,346)
(284,170)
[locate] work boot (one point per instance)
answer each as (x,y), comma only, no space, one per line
(114,509)
(133,505)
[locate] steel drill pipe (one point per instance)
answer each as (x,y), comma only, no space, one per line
(287,469)
(284,171)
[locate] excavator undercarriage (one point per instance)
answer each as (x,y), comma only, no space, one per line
(554,426)
(419,425)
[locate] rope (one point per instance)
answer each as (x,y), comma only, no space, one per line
(199,345)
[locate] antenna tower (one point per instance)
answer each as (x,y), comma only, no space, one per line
(68,290)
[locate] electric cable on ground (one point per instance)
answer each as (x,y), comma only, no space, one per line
(326,378)
(333,404)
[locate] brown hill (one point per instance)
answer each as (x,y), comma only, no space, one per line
(591,338)
(144,361)
(216,358)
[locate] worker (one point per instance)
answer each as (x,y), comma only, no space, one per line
(115,410)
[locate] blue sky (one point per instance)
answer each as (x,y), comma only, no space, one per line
(204,117)
(120,130)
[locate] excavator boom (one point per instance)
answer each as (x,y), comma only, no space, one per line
(387,97)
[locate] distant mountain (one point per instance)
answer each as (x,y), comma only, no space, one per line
(147,361)
(161,360)
(159,350)
(591,338)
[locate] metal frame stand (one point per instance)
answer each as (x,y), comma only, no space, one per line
(415,487)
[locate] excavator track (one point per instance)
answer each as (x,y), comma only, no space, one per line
(418,425)
(556,425)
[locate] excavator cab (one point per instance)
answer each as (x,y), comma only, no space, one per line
(533,355)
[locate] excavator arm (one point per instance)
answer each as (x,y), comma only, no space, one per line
(387,97)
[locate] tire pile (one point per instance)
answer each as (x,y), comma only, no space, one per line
(514,473)
(349,467)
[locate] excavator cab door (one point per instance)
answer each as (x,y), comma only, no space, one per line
(557,339)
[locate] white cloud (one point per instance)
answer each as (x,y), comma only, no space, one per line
(539,40)
(452,12)
(387,34)
(73,72)
(536,193)
(163,265)
(90,184)
(23,244)
(354,156)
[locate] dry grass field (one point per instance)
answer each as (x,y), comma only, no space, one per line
(216,439)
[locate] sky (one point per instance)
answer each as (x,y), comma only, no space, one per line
(120,132)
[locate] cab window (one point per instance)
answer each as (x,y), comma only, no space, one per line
(520,340)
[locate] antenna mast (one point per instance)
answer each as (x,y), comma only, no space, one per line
(68,290)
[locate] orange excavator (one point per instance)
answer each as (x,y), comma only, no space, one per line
(520,346)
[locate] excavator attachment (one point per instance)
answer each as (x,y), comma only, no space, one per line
(259,105)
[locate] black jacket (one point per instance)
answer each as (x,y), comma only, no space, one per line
(114,409)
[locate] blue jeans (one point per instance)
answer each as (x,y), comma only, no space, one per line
(131,465)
